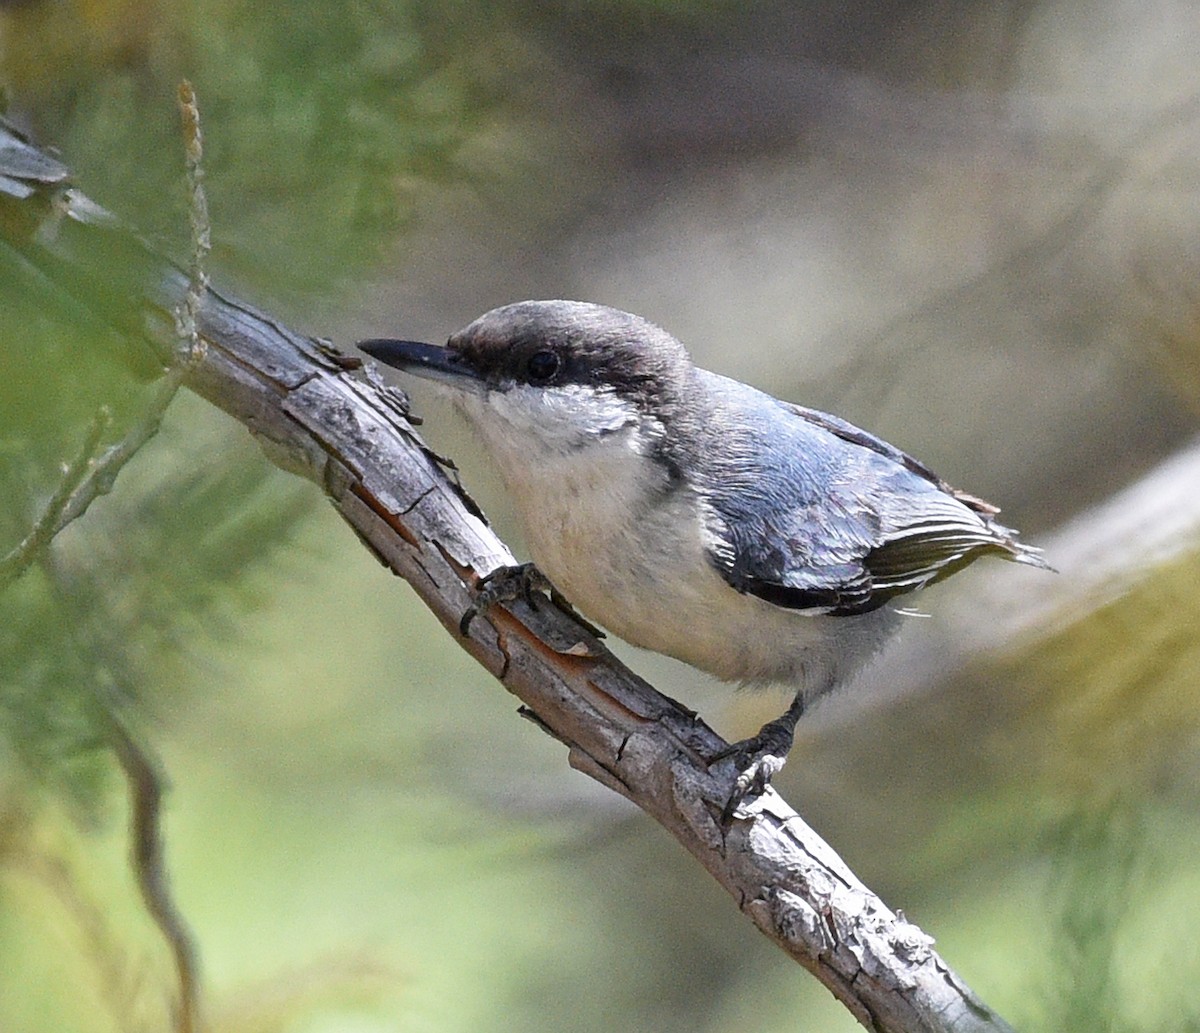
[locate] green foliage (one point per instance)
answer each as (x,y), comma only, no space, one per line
(1096,859)
(106,617)
(128,600)
(319,119)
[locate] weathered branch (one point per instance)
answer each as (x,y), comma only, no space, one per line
(319,418)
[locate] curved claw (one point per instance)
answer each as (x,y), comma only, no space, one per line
(752,781)
(469,614)
(757,760)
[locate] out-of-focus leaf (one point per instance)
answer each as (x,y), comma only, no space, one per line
(329,110)
(132,595)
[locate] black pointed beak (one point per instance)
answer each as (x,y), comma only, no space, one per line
(424,360)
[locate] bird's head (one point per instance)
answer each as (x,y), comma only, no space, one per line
(560,374)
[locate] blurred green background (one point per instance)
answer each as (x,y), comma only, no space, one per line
(972,229)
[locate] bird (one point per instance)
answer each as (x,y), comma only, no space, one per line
(697,516)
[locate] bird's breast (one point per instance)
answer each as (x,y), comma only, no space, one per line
(629,547)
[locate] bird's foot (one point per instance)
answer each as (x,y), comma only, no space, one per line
(757,760)
(524,581)
(505,585)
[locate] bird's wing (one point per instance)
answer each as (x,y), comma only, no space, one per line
(831,519)
(857,436)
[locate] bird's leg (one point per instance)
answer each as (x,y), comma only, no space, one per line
(759,758)
(508,584)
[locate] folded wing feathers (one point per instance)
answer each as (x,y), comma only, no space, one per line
(929,550)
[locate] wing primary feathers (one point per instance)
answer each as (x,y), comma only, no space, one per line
(893,526)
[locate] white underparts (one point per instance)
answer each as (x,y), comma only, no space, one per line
(630,550)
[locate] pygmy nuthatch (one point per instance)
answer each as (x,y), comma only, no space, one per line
(695,515)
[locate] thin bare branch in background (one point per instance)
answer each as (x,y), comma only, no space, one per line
(149,868)
(91,474)
(193,144)
(145,782)
(53,518)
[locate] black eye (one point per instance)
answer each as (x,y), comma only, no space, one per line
(541,366)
